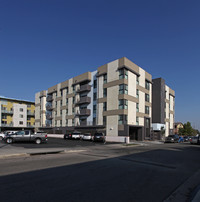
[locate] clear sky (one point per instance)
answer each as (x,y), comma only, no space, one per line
(45,42)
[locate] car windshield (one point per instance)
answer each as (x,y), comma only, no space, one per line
(171,136)
(86,134)
(98,134)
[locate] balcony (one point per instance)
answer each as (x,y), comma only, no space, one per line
(6,125)
(6,111)
(49,116)
(84,100)
(84,88)
(49,98)
(29,113)
(84,112)
(49,108)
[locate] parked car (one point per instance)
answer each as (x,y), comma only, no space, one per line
(76,135)
(68,136)
(99,137)
(26,136)
(172,139)
(87,136)
(195,140)
(185,138)
(2,135)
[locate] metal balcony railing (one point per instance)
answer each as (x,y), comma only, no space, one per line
(83,88)
(6,111)
(49,108)
(30,113)
(84,100)
(84,112)
(7,125)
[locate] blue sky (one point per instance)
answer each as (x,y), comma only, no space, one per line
(45,42)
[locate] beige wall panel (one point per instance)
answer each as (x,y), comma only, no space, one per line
(113,73)
(70,90)
(167,111)
(52,89)
(167,92)
(112,95)
(141,121)
(100,114)
(112,126)
(100,87)
(83,77)
(148,76)
(131,84)
(126,62)
(142,77)
(102,69)
(141,102)
(63,117)
(171,121)
(37,98)
(131,113)
(166,129)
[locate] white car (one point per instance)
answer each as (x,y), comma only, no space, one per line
(2,135)
(76,135)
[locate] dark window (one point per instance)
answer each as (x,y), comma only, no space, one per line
(95,83)
(146,97)
(123,104)
(21,109)
(123,89)
(21,123)
(147,85)
(104,106)
(95,96)
(94,109)
(123,73)
(104,120)
(105,92)
(105,78)
(146,109)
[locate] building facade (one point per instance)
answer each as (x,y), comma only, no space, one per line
(163,109)
(115,99)
(16,114)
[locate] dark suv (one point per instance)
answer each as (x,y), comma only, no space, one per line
(99,137)
(172,139)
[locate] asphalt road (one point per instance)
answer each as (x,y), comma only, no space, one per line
(100,173)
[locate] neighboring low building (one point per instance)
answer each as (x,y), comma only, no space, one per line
(163,109)
(177,126)
(16,114)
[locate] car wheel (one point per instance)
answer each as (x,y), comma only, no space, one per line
(1,138)
(38,141)
(9,140)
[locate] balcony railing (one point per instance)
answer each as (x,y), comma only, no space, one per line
(49,98)
(29,113)
(87,123)
(84,100)
(7,125)
(49,117)
(49,107)
(84,112)
(83,88)
(6,111)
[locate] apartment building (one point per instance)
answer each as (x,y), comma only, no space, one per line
(163,109)
(115,99)
(16,114)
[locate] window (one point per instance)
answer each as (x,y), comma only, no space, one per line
(123,104)
(123,89)
(137,107)
(21,109)
(122,119)
(72,122)
(104,106)
(4,122)
(28,106)
(94,109)
(61,103)
(95,83)
(104,120)
(94,121)
(66,122)
(146,109)
(66,101)
(28,118)
(105,92)
(4,116)
(105,78)
(21,123)
(137,93)
(137,120)
(73,111)
(73,89)
(67,91)
(21,116)
(147,85)
(61,92)
(60,122)
(137,80)
(60,112)
(73,101)
(67,111)
(146,97)
(123,73)
(95,96)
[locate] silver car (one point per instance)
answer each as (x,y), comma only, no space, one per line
(195,140)
(2,135)
(87,136)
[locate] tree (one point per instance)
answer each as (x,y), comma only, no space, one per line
(187,130)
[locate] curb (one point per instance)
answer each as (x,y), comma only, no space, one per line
(184,192)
